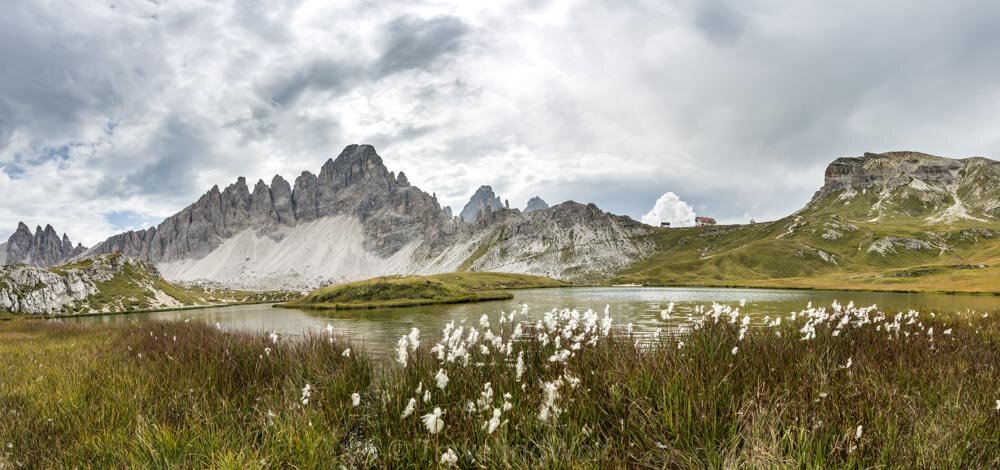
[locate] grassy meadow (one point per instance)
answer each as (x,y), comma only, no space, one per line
(834,387)
(409,291)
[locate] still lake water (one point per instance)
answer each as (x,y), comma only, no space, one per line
(378,330)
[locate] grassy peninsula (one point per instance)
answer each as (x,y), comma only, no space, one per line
(409,291)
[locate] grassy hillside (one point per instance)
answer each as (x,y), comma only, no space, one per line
(406,291)
(839,243)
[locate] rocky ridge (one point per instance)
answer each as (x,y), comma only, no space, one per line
(43,248)
(357,219)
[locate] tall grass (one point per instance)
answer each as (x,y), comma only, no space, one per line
(880,392)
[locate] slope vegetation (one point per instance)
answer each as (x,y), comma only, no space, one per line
(898,221)
(407,291)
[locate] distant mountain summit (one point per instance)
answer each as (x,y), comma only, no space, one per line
(43,248)
(356,219)
(536,204)
(482,201)
(912,185)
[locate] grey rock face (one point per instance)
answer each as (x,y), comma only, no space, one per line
(482,201)
(34,290)
(888,170)
(44,248)
(356,183)
(535,204)
(281,196)
(3,253)
(568,241)
(912,184)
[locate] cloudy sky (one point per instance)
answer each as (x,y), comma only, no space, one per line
(117,113)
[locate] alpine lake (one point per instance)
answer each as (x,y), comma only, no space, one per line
(377,330)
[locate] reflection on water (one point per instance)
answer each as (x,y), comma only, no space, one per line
(380,329)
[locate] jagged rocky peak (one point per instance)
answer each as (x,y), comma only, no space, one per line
(355,184)
(43,248)
(536,204)
(483,200)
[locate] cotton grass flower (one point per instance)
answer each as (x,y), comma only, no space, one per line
(401,355)
(410,406)
(494,422)
(346,353)
(449,458)
(355,399)
(441,379)
(432,421)
(735,350)
(306,394)
(998,405)
(857,432)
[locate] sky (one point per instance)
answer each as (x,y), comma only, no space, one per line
(117,113)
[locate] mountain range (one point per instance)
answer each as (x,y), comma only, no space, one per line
(889,220)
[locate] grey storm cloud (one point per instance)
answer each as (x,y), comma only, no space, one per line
(415,43)
(138,107)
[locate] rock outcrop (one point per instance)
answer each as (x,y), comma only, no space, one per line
(33,290)
(44,248)
(912,184)
(536,203)
(482,201)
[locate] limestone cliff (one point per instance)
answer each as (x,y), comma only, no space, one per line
(42,249)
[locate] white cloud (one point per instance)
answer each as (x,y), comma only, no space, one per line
(670,208)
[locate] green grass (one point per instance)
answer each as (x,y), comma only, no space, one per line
(790,252)
(182,395)
(408,291)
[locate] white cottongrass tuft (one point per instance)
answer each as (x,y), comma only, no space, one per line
(401,355)
(857,432)
(998,405)
(494,422)
(519,367)
(355,399)
(414,339)
(432,421)
(306,394)
(735,350)
(410,406)
(346,353)
(449,458)
(274,337)
(441,379)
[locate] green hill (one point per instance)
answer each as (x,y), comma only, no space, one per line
(407,291)
(896,221)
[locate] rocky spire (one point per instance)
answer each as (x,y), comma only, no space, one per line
(535,204)
(483,200)
(43,248)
